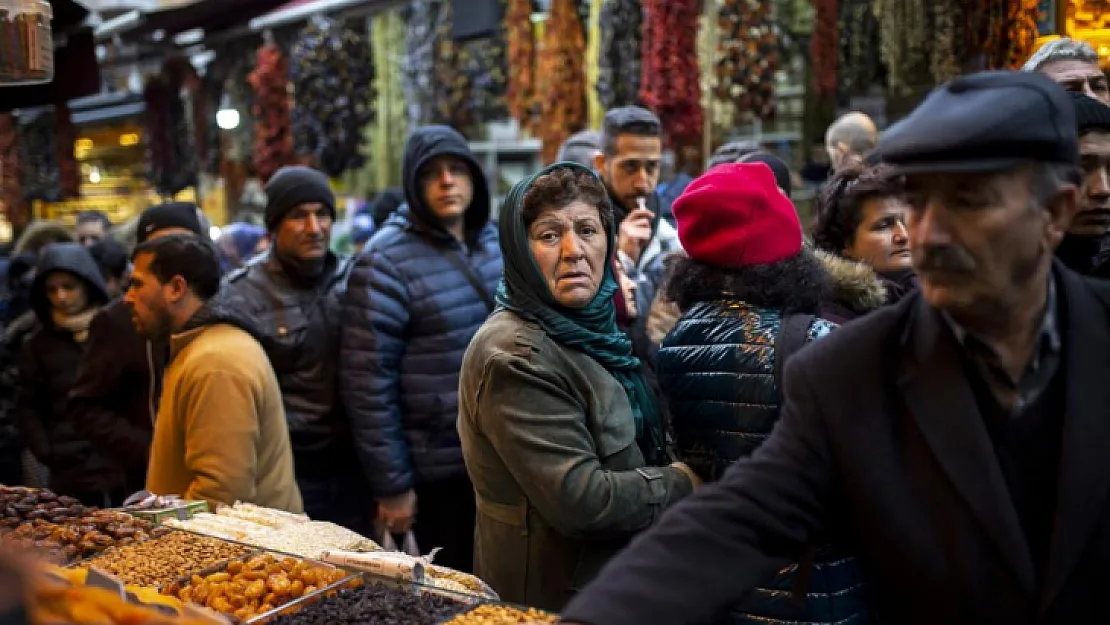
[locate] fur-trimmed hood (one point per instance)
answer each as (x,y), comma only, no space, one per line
(40,233)
(852,285)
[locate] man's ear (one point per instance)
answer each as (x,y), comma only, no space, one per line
(178,288)
(1061,211)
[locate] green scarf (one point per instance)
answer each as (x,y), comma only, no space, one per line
(591,330)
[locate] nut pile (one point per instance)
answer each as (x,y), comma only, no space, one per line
(246,589)
(18,504)
(375,603)
(83,537)
(164,559)
(502,615)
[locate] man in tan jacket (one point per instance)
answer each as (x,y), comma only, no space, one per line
(221,434)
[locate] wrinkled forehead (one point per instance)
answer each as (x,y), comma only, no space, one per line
(1095,142)
(1065,70)
(962,181)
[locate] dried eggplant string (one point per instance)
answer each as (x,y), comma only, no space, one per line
(419,62)
(619,69)
(748,50)
(858,66)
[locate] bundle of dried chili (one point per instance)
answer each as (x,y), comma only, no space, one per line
(670,82)
(748,49)
(520,38)
(562,77)
(451,86)
(618,78)
(273,134)
(65,135)
(39,157)
(10,171)
(824,46)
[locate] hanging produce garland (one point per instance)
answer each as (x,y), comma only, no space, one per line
(748,49)
(1021,32)
(824,46)
(669,84)
(41,176)
(10,171)
(452,89)
(858,67)
(333,77)
(170,133)
(69,173)
(946,17)
(618,81)
(420,61)
(520,37)
(273,135)
(905,43)
(482,64)
(562,80)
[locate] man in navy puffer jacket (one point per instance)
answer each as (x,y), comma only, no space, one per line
(415,297)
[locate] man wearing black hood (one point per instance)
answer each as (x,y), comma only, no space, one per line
(1083,248)
(293,292)
(115,397)
(417,294)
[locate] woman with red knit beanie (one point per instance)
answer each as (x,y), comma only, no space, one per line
(749,293)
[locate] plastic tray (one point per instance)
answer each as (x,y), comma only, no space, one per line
(466,602)
(90,561)
(295,604)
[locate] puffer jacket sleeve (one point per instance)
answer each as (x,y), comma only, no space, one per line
(540,433)
(30,402)
(375,318)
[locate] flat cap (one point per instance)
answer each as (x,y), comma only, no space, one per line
(990,121)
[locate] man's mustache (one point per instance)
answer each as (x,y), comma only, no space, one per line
(947,259)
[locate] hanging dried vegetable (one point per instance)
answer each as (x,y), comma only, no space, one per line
(10,171)
(451,86)
(170,133)
(273,133)
(481,62)
(748,49)
(420,64)
(858,67)
(669,83)
(947,26)
(520,36)
(333,77)
(1021,32)
(65,135)
(824,46)
(39,158)
(562,81)
(618,81)
(905,40)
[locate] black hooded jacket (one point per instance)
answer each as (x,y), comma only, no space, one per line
(48,367)
(409,315)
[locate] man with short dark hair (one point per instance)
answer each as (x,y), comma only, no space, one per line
(92,226)
(113,402)
(958,438)
(1083,248)
(220,435)
(631,152)
(294,293)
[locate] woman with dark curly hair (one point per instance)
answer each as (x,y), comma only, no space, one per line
(861,235)
(561,434)
(747,289)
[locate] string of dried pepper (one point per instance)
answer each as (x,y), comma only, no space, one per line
(669,84)
(947,25)
(65,135)
(824,46)
(452,88)
(520,37)
(562,81)
(10,171)
(273,132)
(619,67)
(748,49)
(1022,31)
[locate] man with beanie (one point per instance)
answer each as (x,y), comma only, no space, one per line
(292,295)
(417,295)
(957,439)
(114,401)
(1084,246)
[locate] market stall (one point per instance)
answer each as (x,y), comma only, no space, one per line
(237,564)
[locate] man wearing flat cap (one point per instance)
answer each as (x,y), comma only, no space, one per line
(292,296)
(1084,246)
(958,439)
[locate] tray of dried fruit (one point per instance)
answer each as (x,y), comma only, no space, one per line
(158,561)
(259,586)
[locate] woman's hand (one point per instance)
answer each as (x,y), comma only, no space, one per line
(398,513)
(694,479)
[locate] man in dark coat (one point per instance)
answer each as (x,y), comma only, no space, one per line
(292,294)
(958,438)
(115,397)
(415,298)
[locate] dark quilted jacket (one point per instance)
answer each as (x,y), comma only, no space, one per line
(716,368)
(408,318)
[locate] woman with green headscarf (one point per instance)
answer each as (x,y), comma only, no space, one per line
(561,436)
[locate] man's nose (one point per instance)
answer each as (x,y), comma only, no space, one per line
(927,225)
(312,224)
(1098,184)
(900,233)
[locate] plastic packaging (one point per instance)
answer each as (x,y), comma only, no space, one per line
(26,42)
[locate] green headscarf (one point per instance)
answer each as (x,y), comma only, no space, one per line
(591,330)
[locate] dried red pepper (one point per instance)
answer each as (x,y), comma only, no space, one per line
(562,80)
(671,81)
(273,126)
(825,46)
(520,37)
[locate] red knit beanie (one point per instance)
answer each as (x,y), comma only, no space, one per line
(735,216)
